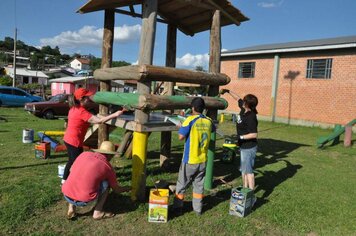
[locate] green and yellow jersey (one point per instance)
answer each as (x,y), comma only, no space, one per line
(197,130)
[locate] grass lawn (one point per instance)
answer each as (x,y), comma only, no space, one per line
(301,189)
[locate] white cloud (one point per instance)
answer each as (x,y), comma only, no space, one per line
(224,50)
(92,36)
(190,61)
(270,4)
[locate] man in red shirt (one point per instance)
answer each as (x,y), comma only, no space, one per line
(90,178)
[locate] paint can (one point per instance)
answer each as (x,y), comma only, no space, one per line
(27,135)
(241,201)
(158,205)
(42,150)
(61,168)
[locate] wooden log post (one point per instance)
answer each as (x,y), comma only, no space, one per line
(214,66)
(166,137)
(139,152)
(106,62)
(348,136)
(126,140)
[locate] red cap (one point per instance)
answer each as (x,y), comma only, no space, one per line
(82,92)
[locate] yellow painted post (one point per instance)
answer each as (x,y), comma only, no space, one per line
(139,156)
(222,118)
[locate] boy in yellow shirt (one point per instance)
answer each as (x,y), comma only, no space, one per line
(196,131)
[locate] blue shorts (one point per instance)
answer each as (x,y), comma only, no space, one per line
(247,160)
(102,188)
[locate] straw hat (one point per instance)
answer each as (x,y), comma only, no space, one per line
(106,147)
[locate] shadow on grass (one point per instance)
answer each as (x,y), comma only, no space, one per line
(29,166)
(273,151)
(270,151)
(119,204)
(271,179)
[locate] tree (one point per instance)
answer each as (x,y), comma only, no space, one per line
(95,63)
(34,61)
(199,68)
(9,43)
(21,45)
(120,63)
(56,51)
(3,58)
(6,80)
(65,57)
(46,50)
(76,55)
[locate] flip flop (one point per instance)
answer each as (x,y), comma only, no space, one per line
(71,215)
(106,215)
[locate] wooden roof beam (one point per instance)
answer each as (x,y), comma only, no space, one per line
(198,3)
(196,18)
(133,14)
(96,5)
(179,26)
(221,9)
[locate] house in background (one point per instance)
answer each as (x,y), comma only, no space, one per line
(308,83)
(69,84)
(60,72)
(80,64)
(25,76)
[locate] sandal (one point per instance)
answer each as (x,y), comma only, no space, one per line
(71,215)
(105,215)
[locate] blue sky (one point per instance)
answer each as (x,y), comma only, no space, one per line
(55,22)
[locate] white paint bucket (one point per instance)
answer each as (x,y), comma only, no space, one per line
(61,170)
(27,135)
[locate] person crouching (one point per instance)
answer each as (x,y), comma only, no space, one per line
(90,179)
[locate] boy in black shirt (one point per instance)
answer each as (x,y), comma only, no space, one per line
(247,137)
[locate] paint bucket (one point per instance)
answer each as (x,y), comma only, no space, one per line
(158,205)
(42,150)
(241,201)
(61,170)
(229,151)
(27,135)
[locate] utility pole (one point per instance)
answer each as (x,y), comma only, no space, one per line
(14,63)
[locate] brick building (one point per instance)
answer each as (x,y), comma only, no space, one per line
(309,82)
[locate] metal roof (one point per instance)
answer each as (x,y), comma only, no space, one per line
(189,16)
(70,79)
(25,72)
(73,79)
(310,45)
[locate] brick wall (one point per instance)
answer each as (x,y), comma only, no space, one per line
(329,101)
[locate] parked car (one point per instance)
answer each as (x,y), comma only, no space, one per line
(11,96)
(55,107)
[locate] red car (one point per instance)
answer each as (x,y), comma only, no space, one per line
(55,107)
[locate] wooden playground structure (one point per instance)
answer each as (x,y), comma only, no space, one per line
(188,16)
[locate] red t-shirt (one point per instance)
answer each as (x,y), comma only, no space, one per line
(77,126)
(86,174)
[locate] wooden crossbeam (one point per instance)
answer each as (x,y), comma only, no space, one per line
(159,73)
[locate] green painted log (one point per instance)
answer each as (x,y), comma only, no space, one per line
(208,181)
(121,99)
(155,102)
